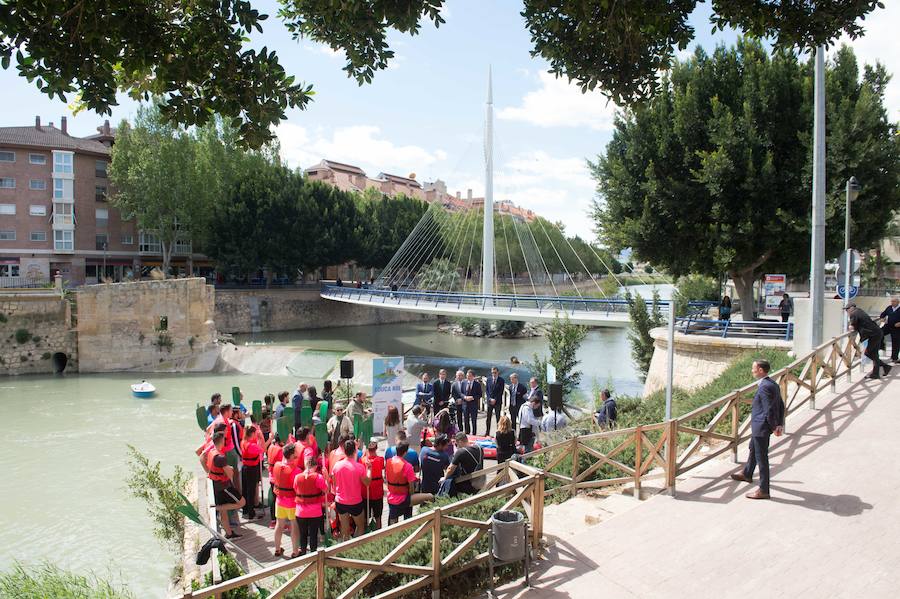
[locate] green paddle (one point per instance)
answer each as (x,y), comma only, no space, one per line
(257,410)
(306,415)
(202,420)
(284,425)
(236,396)
(323,411)
(357,425)
(321,432)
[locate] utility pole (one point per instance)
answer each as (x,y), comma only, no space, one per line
(487,240)
(817,250)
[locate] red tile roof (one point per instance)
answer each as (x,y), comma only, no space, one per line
(49,138)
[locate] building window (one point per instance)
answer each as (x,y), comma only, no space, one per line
(100,193)
(149,243)
(63,241)
(62,189)
(9,270)
(7,235)
(37,159)
(62,162)
(38,236)
(7,156)
(63,214)
(8,209)
(183,246)
(127,240)
(100,169)
(102,217)
(37,184)
(102,241)
(7,183)
(37,210)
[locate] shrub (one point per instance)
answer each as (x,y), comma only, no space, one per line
(694,287)
(163,341)
(146,481)
(467,324)
(23,358)
(642,321)
(36,339)
(46,355)
(2,317)
(485,327)
(229,568)
(510,328)
(22,336)
(49,581)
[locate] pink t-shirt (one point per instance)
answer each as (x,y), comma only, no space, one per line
(395,495)
(348,477)
(311,510)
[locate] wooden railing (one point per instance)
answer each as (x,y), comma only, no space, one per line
(633,455)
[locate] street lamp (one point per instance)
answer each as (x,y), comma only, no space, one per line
(853,188)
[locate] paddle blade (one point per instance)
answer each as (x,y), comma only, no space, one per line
(202,421)
(306,416)
(321,432)
(188,509)
(284,426)
(357,425)
(257,410)
(236,396)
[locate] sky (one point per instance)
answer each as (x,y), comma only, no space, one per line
(425,114)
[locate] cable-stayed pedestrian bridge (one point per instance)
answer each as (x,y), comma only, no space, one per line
(529,308)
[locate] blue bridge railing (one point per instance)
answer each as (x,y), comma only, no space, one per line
(744,329)
(511,302)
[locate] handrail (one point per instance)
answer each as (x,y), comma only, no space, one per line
(761,329)
(614,457)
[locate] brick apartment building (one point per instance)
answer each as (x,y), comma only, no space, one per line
(55,214)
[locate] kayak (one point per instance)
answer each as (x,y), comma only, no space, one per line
(143,390)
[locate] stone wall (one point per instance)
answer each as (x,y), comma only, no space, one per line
(698,359)
(261,310)
(35,332)
(146,326)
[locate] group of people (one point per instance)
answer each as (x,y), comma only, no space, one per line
(874,336)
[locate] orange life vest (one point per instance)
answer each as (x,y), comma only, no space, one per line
(214,472)
(250,460)
(307,490)
(284,486)
(393,472)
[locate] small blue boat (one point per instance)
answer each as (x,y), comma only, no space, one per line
(143,390)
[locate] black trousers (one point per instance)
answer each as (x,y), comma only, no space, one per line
(309,533)
(872,347)
(495,409)
(471,417)
(460,410)
(759,456)
(249,479)
(894,334)
(785,316)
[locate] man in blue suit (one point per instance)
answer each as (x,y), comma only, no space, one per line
(424,393)
(891,328)
(766,417)
(472,394)
(494,388)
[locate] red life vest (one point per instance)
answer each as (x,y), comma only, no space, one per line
(306,489)
(375,489)
(214,472)
(284,486)
(394,473)
(253,456)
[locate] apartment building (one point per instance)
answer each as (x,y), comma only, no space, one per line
(55,213)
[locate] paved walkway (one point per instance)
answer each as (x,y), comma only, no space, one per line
(831,529)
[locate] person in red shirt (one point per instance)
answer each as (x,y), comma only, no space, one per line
(350,478)
(309,487)
(285,503)
(274,454)
(374,491)
(251,454)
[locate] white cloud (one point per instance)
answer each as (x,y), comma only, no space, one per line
(558,103)
(880,44)
(322,49)
(361,145)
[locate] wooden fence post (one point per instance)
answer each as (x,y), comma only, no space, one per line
(813,379)
(671,455)
(320,574)
(638,451)
(537,510)
(735,425)
(574,488)
(436,554)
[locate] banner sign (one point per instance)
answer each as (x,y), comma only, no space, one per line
(387,388)
(773,289)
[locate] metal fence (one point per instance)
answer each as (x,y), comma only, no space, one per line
(739,329)
(24,282)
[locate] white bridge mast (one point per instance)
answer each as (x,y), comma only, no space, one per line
(487,242)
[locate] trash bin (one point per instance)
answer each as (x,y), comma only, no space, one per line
(508,531)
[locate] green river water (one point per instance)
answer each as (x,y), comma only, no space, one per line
(64,498)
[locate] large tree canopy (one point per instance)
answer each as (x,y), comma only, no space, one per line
(714,174)
(196,54)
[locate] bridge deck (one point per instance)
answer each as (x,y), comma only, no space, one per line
(830,529)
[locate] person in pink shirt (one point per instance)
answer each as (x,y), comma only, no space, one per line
(310,488)
(401,486)
(285,503)
(349,478)
(305,445)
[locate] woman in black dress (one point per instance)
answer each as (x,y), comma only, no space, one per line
(506,439)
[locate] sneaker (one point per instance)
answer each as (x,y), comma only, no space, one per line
(886,369)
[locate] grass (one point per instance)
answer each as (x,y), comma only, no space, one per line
(635,411)
(47,581)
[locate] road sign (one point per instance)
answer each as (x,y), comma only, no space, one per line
(854,290)
(855,262)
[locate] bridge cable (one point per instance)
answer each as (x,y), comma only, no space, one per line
(404,247)
(555,251)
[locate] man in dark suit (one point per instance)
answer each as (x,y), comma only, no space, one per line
(472,394)
(766,417)
(891,327)
(517,393)
(424,393)
(456,393)
(494,388)
(871,333)
(441,392)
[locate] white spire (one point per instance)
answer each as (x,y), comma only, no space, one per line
(487,242)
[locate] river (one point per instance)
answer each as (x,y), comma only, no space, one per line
(65,499)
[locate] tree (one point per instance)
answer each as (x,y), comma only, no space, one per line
(563,339)
(694,287)
(714,174)
(195,55)
(642,322)
(166,179)
(438,275)
(385,223)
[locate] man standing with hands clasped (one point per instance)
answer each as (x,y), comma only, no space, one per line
(766,417)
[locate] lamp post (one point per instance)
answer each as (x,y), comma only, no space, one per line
(853,188)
